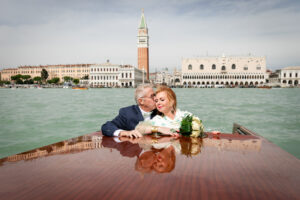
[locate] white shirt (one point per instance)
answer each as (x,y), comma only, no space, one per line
(165,121)
(146,115)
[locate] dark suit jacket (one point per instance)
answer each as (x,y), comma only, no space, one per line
(127,120)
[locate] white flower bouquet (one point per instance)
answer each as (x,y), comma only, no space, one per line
(192,126)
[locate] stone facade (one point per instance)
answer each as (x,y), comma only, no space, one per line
(104,75)
(273,78)
(289,76)
(223,71)
(131,77)
(113,75)
(59,71)
(164,77)
(176,79)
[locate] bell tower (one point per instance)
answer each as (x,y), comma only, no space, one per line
(143,46)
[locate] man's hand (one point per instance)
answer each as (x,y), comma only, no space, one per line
(131,134)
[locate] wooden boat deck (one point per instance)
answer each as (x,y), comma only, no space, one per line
(227,166)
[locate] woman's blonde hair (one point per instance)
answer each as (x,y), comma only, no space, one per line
(170,95)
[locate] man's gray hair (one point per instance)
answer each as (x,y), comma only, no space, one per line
(140,91)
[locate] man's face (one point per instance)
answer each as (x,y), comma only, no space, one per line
(148,99)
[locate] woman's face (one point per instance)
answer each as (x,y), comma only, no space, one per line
(165,160)
(163,104)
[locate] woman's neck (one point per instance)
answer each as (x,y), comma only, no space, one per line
(170,114)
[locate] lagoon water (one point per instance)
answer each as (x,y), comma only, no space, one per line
(32,118)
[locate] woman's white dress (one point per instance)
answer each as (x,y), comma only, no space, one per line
(165,121)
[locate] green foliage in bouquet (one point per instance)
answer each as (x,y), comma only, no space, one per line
(186,125)
(192,126)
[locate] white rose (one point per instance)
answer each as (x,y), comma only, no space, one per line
(195,125)
(195,133)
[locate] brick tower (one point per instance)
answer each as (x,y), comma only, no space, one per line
(143,46)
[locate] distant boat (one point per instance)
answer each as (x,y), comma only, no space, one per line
(79,88)
(264,87)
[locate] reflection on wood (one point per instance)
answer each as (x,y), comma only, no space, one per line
(73,145)
(224,167)
(157,154)
(252,143)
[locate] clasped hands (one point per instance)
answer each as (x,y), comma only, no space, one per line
(147,139)
(162,130)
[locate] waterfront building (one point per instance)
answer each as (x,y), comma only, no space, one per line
(273,78)
(163,77)
(130,76)
(9,72)
(104,75)
(152,77)
(289,76)
(143,46)
(224,71)
(114,75)
(176,78)
(72,70)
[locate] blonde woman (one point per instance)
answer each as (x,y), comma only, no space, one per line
(169,117)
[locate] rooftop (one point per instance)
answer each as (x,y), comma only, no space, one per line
(292,68)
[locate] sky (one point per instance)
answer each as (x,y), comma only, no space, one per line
(41,32)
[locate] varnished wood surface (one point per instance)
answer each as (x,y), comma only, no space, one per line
(95,167)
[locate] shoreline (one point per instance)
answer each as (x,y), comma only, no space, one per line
(35,86)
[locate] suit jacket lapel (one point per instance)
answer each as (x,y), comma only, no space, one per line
(154,112)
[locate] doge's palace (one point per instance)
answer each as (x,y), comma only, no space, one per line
(223,71)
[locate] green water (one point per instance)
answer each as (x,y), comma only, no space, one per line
(31,118)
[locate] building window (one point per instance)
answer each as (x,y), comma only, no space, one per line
(290,74)
(284,74)
(213,66)
(201,66)
(190,67)
(258,67)
(296,75)
(245,67)
(233,66)
(223,67)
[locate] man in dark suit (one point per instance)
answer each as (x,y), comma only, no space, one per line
(125,123)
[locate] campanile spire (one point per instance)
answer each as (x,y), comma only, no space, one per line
(143,45)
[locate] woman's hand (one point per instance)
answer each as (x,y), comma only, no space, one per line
(168,131)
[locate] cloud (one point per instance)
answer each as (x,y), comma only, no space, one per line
(61,32)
